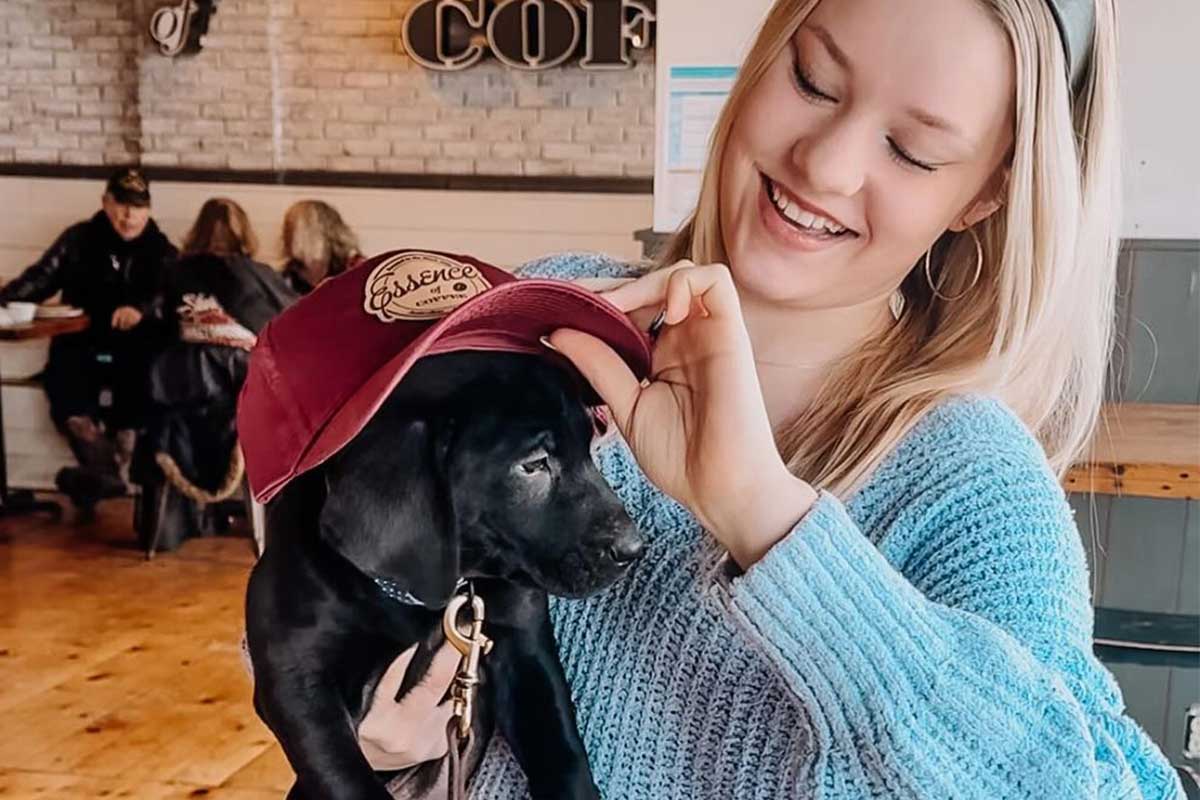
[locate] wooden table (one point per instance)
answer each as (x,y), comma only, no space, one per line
(42,328)
(23,502)
(1143,450)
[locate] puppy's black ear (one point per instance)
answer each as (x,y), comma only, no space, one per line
(387,510)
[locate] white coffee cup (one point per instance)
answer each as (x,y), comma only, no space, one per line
(22,313)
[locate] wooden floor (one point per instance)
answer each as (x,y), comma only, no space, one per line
(121,677)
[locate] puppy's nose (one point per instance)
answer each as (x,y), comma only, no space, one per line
(627,549)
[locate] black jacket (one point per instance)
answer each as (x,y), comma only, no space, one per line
(98,271)
(194,385)
(250,292)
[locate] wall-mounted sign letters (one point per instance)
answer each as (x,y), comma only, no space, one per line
(180,29)
(453,35)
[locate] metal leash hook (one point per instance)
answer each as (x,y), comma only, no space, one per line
(472,646)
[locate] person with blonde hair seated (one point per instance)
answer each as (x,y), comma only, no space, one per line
(318,244)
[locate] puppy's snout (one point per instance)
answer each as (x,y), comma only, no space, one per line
(627,548)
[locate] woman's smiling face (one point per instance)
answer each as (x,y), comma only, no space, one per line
(870,134)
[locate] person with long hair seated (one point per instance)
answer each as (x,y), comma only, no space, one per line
(218,298)
(317,243)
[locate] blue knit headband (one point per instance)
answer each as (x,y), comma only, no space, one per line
(1076,20)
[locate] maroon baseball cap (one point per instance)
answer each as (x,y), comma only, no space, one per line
(323,367)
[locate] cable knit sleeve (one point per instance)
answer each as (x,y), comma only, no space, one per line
(954,659)
(569,266)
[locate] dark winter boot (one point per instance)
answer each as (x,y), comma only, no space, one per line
(91,447)
(97,477)
(85,488)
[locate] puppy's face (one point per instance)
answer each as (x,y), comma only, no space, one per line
(480,466)
(530,503)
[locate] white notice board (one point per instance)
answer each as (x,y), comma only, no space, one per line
(695,96)
(700,43)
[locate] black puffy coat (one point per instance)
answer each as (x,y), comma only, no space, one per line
(214,307)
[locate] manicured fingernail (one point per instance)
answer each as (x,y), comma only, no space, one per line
(545,340)
(657,325)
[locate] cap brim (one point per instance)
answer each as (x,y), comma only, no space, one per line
(512,318)
(139,200)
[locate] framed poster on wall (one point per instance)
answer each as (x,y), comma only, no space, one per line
(700,45)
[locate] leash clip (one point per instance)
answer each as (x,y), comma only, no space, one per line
(472,645)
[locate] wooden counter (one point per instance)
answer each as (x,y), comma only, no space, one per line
(1143,450)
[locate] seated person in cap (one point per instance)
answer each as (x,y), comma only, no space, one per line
(111,266)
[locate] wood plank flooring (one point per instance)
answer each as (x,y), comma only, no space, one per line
(121,677)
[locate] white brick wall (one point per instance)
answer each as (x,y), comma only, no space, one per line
(293,84)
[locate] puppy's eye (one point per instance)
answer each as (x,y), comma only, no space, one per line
(535,465)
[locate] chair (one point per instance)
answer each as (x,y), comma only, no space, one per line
(171,510)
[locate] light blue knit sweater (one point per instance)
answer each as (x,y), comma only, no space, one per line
(928,637)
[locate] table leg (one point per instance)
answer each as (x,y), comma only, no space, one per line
(22,501)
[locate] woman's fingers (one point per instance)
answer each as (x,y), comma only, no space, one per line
(680,296)
(711,284)
(647,291)
(389,684)
(436,680)
(442,671)
(602,284)
(676,289)
(643,318)
(397,735)
(606,371)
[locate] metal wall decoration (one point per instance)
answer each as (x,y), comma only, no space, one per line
(179,29)
(452,35)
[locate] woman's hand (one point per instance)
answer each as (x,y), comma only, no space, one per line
(699,427)
(601,284)
(400,735)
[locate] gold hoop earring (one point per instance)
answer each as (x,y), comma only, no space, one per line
(974,280)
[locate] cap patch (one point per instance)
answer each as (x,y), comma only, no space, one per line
(420,286)
(133,181)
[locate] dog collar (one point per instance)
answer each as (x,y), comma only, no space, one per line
(393,590)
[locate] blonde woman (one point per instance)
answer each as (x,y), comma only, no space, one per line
(863,578)
(317,243)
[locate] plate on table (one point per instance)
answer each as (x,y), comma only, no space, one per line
(58,312)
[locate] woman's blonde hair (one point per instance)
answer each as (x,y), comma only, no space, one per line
(315,235)
(221,228)
(1036,328)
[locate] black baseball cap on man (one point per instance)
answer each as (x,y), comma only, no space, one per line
(129,186)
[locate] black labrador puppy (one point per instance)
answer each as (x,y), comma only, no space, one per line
(477,466)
